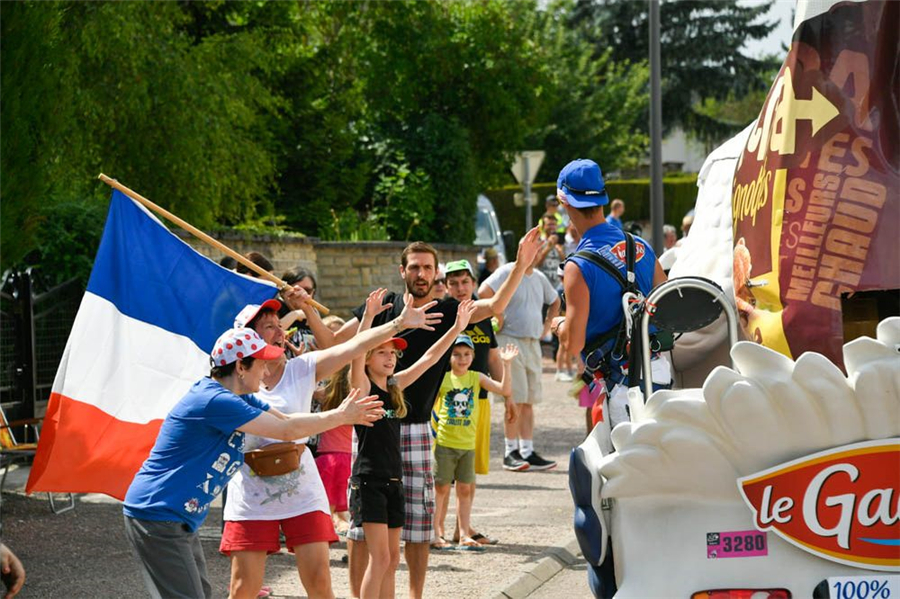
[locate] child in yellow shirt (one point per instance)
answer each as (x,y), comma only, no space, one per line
(454,420)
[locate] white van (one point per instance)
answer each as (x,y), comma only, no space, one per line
(487,230)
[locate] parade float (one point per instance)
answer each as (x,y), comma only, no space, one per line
(780,476)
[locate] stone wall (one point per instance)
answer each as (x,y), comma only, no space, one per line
(283,251)
(346,271)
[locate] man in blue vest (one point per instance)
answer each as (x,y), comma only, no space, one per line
(594,296)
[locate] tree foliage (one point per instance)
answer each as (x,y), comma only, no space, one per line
(118,87)
(702,52)
(593,101)
(349,120)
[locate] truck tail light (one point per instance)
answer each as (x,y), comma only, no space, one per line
(743,594)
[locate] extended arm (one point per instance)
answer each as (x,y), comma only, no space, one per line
(358,377)
(287,427)
(495,367)
(334,358)
(496,303)
(504,386)
(323,335)
(434,353)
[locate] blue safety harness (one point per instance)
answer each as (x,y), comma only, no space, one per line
(606,353)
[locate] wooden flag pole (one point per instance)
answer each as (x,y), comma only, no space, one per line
(204,237)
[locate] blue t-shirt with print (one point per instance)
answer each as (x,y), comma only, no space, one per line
(606,293)
(197,451)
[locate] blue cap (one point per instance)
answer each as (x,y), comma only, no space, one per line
(464,340)
(581,182)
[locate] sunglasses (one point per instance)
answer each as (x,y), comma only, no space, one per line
(584,192)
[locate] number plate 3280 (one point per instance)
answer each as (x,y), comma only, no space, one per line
(736,543)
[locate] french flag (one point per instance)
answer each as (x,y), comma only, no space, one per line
(152,311)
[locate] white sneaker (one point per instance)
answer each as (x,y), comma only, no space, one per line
(563,377)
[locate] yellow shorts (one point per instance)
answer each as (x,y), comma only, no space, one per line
(483,436)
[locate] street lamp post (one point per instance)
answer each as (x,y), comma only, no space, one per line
(657,215)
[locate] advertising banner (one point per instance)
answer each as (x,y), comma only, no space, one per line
(816,193)
(840,504)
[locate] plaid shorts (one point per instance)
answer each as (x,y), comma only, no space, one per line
(418,485)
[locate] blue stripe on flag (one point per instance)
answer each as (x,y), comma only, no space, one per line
(152,276)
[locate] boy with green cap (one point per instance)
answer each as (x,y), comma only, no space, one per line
(455,422)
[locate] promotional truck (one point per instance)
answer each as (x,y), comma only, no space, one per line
(779,476)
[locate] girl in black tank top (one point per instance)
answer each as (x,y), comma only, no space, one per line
(378,446)
(376,490)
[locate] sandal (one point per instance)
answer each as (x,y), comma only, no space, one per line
(484,539)
(441,544)
(469,544)
(264,592)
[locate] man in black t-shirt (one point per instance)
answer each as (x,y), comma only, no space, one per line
(418,267)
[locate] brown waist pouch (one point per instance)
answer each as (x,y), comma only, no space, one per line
(275,459)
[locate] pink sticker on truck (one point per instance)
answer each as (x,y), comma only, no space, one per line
(736,543)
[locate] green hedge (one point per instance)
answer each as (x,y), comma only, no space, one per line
(679,193)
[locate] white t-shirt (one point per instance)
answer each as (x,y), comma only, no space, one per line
(522,317)
(252,497)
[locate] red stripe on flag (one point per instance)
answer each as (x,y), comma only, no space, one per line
(85,450)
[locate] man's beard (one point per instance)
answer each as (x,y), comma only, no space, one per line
(418,291)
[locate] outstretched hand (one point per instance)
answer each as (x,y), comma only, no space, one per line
(375,305)
(529,247)
(361,410)
(419,318)
(509,353)
(464,314)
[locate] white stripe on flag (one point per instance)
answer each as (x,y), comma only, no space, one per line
(134,371)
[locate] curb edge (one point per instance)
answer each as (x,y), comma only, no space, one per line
(549,564)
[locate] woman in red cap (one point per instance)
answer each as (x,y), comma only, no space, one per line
(260,506)
(199,448)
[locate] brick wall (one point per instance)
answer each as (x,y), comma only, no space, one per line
(346,272)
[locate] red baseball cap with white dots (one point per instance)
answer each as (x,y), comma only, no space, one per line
(239,343)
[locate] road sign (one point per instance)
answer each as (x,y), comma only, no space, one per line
(526,166)
(525,169)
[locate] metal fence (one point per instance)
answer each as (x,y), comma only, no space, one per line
(35,321)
